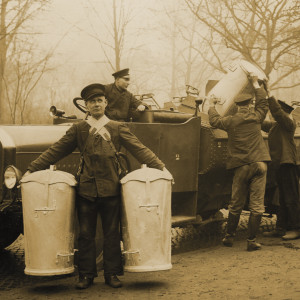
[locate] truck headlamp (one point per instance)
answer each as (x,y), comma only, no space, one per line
(12,177)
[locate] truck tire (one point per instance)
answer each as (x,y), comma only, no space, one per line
(8,239)
(11,226)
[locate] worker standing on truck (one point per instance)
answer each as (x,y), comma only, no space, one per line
(283,153)
(98,138)
(120,102)
(247,156)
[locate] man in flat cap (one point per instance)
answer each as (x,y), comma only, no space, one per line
(120,102)
(283,153)
(97,138)
(247,156)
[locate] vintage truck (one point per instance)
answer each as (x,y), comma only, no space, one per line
(193,151)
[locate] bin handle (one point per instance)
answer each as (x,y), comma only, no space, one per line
(148,204)
(131,252)
(45,209)
(65,255)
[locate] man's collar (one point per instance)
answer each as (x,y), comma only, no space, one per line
(119,89)
(94,123)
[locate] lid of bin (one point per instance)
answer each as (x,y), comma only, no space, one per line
(146,174)
(50,177)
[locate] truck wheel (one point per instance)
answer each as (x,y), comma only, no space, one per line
(5,241)
(98,240)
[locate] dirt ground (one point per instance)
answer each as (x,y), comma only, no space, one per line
(213,273)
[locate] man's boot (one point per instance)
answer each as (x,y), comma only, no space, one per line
(291,235)
(84,282)
(232,223)
(113,281)
(277,232)
(253,227)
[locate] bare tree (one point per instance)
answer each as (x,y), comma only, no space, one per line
(179,59)
(200,59)
(118,19)
(191,60)
(13,17)
(265,32)
(24,71)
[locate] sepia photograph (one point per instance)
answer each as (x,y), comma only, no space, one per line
(150,149)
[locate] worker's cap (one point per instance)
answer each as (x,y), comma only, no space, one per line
(92,90)
(121,73)
(286,107)
(243,99)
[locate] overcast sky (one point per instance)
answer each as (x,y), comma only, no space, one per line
(72,18)
(69,23)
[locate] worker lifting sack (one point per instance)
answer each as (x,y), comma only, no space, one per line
(146,220)
(48,217)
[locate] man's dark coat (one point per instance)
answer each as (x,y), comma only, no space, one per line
(100,172)
(119,103)
(281,135)
(245,141)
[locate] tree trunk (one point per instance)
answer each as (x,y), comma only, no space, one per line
(173,74)
(116,36)
(3,51)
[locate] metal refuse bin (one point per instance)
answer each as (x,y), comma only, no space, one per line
(233,83)
(48,199)
(146,220)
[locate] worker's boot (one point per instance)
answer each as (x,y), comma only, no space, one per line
(232,223)
(253,227)
(277,232)
(291,235)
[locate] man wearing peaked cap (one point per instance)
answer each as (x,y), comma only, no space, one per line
(241,98)
(92,90)
(121,103)
(121,73)
(247,157)
(284,161)
(286,107)
(98,139)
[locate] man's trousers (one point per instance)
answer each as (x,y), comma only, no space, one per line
(249,180)
(109,209)
(288,217)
